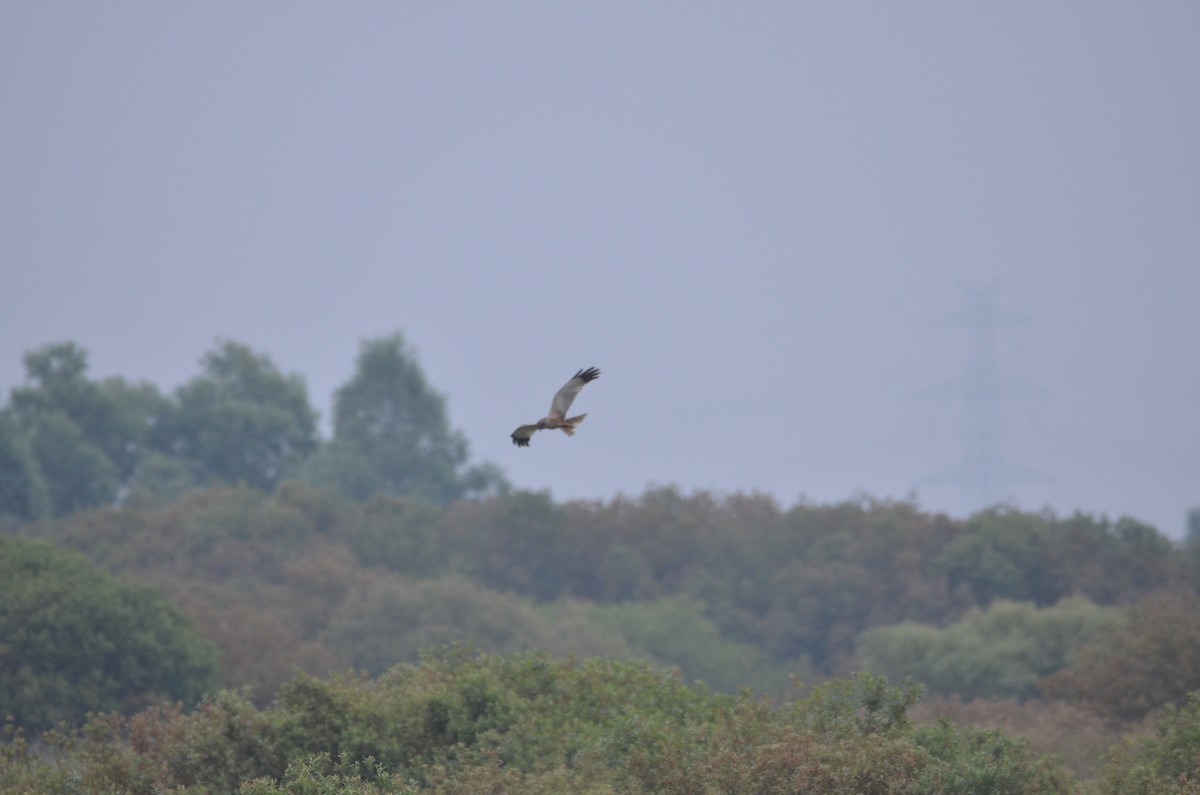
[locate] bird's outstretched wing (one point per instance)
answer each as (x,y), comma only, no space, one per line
(522,435)
(565,396)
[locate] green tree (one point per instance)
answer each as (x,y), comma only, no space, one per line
(78,474)
(1149,660)
(400,533)
(113,415)
(998,557)
(1145,554)
(158,480)
(241,420)
(392,620)
(86,436)
(1191,549)
(519,542)
(74,640)
(818,609)
(23,492)
(132,412)
(1001,651)
(676,631)
(391,434)
(1163,761)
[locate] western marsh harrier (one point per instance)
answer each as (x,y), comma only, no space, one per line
(557,418)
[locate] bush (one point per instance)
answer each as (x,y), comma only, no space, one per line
(77,640)
(533,725)
(390,620)
(1003,651)
(1077,737)
(1150,659)
(676,630)
(1166,761)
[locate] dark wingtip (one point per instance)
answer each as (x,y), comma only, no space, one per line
(590,374)
(520,442)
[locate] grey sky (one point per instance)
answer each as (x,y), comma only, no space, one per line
(750,216)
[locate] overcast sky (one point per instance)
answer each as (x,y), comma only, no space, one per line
(777,228)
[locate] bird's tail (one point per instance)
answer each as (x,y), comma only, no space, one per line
(569,428)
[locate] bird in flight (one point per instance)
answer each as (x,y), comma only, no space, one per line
(557,418)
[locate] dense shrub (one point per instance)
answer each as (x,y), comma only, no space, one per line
(74,639)
(1002,651)
(1150,659)
(531,724)
(391,620)
(676,630)
(1164,761)
(1077,737)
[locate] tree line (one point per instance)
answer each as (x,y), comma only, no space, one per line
(69,442)
(735,591)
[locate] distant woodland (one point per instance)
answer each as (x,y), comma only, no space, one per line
(202,572)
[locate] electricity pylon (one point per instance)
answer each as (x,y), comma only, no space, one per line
(983,476)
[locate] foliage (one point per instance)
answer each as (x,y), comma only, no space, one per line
(78,474)
(240,421)
(1002,651)
(85,436)
(1150,659)
(997,557)
(734,591)
(69,443)
(677,630)
(1164,761)
(1006,554)
(75,639)
(158,480)
(391,434)
(1077,737)
(516,542)
(392,620)
(113,416)
(23,492)
(400,533)
(527,724)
